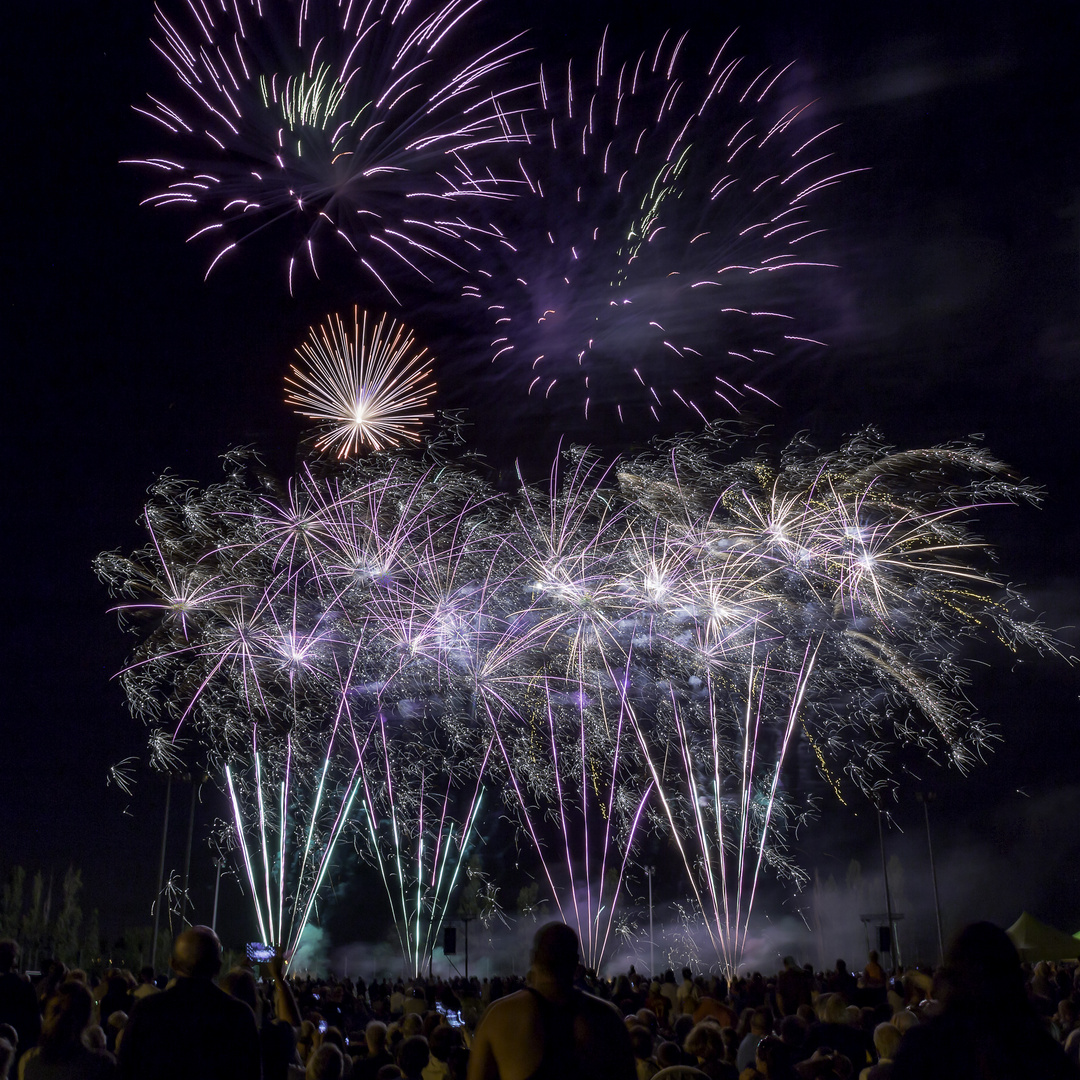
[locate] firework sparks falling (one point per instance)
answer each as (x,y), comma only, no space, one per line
(122,774)
(366,387)
(356,121)
(418,831)
(661,208)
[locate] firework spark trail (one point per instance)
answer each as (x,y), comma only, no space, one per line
(425,843)
(661,205)
(621,845)
(387,638)
(240,833)
(360,123)
(331,755)
(293,803)
(468,827)
(341,821)
(567,539)
(724,833)
(771,805)
(362,388)
(598,799)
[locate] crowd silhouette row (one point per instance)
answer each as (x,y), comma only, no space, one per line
(982,1014)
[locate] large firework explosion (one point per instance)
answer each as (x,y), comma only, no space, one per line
(665,644)
(357,122)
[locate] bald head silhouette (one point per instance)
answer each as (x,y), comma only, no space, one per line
(555,953)
(196,954)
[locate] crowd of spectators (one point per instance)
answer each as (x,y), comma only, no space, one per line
(982,1014)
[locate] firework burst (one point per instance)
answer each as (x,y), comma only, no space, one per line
(357,121)
(669,645)
(661,207)
(364,388)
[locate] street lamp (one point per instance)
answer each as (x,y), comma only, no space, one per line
(649,871)
(926,798)
(894,945)
(161,873)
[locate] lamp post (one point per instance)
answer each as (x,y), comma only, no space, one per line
(926,798)
(466,919)
(649,871)
(196,786)
(161,874)
(894,945)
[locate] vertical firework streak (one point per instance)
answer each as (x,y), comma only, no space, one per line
(723,850)
(296,906)
(573,758)
(418,843)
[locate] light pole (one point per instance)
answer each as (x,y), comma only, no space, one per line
(894,945)
(927,798)
(196,787)
(649,870)
(217,885)
(466,919)
(161,874)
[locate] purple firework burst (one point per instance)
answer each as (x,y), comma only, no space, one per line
(659,212)
(356,120)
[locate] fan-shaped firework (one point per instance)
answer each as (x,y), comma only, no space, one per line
(659,213)
(355,120)
(665,644)
(366,387)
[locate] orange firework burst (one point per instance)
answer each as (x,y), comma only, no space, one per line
(364,387)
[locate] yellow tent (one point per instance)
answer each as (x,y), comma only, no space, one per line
(1035,940)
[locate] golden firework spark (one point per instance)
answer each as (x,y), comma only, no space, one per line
(368,386)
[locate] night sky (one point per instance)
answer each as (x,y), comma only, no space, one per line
(956,311)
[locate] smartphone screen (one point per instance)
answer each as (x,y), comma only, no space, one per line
(259,953)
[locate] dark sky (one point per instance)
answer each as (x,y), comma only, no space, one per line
(955,311)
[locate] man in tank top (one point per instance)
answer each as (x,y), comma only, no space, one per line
(550,1031)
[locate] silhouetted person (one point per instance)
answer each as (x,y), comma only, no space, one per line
(986,1029)
(834,1031)
(61,1053)
(325,1063)
(772,1059)
(377,1055)
(117,997)
(550,1031)
(194,1029)
(18,1002)
(413,1057)
(794,987)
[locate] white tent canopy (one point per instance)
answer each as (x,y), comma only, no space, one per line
(1035,940)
